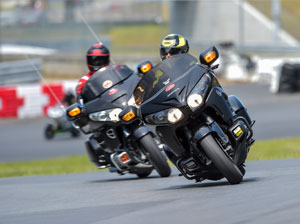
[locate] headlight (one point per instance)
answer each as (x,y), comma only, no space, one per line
(195,100)
(106,115)
(196,97)
(172,115)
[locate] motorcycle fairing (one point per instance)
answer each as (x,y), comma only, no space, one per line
(113,74)
(177,95)
(168,136)
(239,108)
(238,142)
(163,74)
(117,100)
(217,99)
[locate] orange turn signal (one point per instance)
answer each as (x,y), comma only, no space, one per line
(128,116)
(74,112)
(210,56)
(124,157)
(146,68)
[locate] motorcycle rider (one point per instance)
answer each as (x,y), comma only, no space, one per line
(173,44)
(97,57)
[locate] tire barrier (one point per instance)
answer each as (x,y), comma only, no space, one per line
(289,80)
(27,101)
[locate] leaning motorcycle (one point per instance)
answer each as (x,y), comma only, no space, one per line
(120,141)
(58,123)
(207,134)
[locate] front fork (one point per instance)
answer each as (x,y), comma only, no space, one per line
(239,134)
(131,136)
(211,127)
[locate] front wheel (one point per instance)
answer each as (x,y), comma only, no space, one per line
(221,161)
(75,132)
(155,156)
(49,131)
(143,174)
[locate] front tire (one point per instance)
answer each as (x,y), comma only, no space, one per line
(49,131)
(75,132)
(221,161)
(143,174)
(155,156)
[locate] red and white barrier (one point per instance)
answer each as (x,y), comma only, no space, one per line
(24,101)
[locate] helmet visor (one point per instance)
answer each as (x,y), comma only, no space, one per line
(171,51)
(97,60)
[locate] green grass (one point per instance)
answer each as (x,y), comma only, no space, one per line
(62,165)
(137,39)
(261,150)
(138,35)
(275,149)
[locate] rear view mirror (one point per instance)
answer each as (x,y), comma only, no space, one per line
(209,56)
(144,66)
(74,111)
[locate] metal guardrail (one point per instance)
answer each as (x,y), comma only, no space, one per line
(20,72)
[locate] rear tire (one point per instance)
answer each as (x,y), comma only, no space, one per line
(155,156)
(221,161)
(49,131)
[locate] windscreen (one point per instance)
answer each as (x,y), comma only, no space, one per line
(162,74)
(104,79)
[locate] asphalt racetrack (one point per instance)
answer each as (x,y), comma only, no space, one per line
(269,193)
(23,140)
(277,116)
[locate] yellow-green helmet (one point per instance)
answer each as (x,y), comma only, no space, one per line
(173,44)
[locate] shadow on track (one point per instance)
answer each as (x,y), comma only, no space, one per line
(218,183)
(129,178)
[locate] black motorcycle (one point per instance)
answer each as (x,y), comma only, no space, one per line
(120,141)
(207,134)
